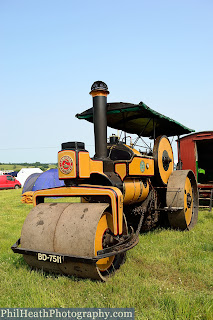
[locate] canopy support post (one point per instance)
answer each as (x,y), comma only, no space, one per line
(139,136)
(154,129)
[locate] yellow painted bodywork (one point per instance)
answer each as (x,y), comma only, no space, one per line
(136,152)
(115,195)
(96,166)
(120,169)
(104,224)
(72,155)
(130,171)
(188,211)
(86,166)
(135,190)
(135,167)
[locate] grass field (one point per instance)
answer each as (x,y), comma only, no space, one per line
(17,167)
(168,275)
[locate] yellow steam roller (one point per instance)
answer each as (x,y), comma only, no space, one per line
(123,191)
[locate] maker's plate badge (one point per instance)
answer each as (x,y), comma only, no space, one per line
(66,164)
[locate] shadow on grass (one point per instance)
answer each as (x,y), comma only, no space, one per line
(19,263)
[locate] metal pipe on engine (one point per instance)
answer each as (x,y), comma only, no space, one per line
(99,92)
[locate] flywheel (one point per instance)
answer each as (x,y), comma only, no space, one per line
(182,193)
(163,160)
(76,229)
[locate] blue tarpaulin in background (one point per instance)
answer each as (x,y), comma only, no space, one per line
(46,180)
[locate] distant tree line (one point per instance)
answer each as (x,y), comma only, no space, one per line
(37,164)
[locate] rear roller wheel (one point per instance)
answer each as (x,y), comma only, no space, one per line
(182,192)
(76,229)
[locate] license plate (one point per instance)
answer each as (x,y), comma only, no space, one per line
(50,258)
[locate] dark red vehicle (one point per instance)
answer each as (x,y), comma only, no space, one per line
(9,182)
(195,152)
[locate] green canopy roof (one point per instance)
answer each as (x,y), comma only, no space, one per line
(138,119)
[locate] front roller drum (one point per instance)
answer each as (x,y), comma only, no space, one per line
(182,193)
(75,229)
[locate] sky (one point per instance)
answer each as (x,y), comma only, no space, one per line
(51,52)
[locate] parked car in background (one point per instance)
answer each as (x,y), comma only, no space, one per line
(9,182)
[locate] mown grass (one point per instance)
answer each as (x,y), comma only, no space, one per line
(168,275)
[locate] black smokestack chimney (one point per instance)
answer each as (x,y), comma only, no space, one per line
(99,92)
